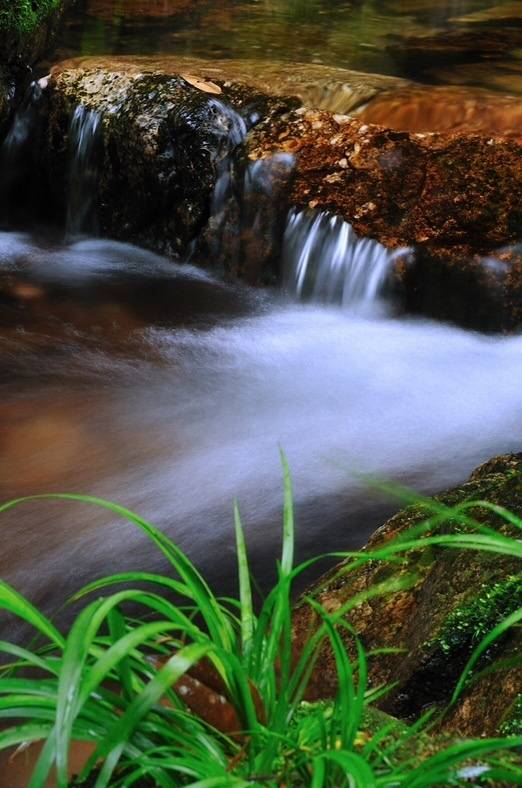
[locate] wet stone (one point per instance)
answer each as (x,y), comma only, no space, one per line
(451,196)
(436,109)
(438,619)
(160,144)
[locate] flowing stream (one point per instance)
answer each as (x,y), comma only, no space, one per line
(152,384)
(159,386)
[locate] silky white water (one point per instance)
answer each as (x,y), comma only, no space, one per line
(171,393)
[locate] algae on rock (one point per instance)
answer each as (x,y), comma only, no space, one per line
(437,622)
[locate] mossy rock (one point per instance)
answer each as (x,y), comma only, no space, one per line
(453,598)
(26,26)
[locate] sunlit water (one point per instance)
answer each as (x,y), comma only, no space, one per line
(369,35)
(157,386)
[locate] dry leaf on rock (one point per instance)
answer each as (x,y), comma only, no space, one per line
(200,84)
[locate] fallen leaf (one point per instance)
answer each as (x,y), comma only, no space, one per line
(200,84)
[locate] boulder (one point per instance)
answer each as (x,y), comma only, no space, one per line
(162,138)
(454,598)
(452,196)
(169,124)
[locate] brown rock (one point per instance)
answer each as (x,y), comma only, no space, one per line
(453,599)
(454,196)
(436,109)
(318,86)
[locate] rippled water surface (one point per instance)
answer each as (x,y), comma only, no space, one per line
(462,41)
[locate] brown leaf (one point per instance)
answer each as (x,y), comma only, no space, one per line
(200,84)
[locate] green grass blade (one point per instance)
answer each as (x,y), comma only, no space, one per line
(245,589)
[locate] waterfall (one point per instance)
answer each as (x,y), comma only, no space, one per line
(325,261)
(16,155)
(231,129)
(84,133)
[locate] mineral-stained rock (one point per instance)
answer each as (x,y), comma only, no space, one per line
(449,190)
(431,109)
(454,196)
(453,598)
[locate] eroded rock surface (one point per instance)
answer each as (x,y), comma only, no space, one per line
(453,599)
(323,87)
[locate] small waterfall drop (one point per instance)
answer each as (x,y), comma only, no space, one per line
(84,131)
(16,155)
(326,262)
(232,130)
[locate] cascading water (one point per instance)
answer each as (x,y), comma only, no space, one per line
(16,158)
(131,378)
(325,261)
(84,132)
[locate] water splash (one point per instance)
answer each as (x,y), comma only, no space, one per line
(326,262)
(84,131)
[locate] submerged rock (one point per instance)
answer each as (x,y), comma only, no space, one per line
(421,108)
(113,9)
(323,87)
(452,600)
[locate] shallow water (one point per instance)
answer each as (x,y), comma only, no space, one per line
(469,41)
(157,386)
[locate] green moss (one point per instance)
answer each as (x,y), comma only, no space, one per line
(465,627)
(512,726)
(22,17)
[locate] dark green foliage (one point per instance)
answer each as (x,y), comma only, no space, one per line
(98,683)
(22,17)
(465,627)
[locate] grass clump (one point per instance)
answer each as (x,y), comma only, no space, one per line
(130,685)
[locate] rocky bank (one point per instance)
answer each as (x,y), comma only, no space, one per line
(452,600)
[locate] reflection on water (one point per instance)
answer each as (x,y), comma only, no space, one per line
(154,385)
(414,38)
